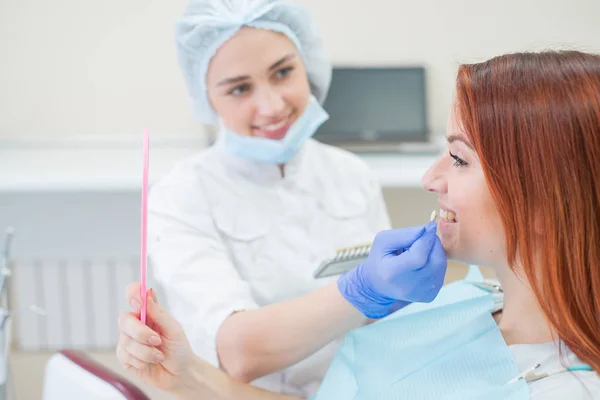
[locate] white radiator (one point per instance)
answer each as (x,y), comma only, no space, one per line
(82,300)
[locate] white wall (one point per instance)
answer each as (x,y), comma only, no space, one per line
(80,67)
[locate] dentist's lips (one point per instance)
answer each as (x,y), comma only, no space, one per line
(275,131)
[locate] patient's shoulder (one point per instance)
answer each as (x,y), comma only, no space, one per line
(564,385)
(567,385)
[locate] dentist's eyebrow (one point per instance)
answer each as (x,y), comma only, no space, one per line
(237,79)
(282,61)
(459,138)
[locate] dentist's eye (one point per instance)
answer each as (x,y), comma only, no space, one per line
(239,90)
(284,72)
(458,162)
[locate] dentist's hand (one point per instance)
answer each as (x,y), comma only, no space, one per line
(404,266)
(159,352)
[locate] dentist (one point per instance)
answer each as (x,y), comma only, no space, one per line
(237,231)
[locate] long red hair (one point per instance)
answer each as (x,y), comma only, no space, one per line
(534,120)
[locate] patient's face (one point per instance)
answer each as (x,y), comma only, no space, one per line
(470,227)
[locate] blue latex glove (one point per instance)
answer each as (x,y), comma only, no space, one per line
(404,266)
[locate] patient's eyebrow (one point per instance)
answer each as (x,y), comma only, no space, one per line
(453,138)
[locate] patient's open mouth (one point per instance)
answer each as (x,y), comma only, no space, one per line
(448,216)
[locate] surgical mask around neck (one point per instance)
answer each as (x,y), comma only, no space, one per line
(277,151)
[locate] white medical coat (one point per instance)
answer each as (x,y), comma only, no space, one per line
(229,234)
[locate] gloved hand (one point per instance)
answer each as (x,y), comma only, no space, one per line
(404,266)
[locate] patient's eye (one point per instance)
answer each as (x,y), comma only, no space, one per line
(458,162)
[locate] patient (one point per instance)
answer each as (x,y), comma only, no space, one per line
(519,191)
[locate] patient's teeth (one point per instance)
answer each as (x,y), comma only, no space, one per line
(448,216)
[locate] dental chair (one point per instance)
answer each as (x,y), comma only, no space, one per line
(72,375)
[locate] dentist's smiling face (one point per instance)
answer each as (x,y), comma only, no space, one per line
(257,83)
(470,227)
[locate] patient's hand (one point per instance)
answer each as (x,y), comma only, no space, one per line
(159,352)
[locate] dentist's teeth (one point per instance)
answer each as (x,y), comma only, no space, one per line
(276,126)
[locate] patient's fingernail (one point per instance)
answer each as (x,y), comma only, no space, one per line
(159,357)
(135,305)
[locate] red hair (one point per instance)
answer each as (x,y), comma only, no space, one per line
(534,120)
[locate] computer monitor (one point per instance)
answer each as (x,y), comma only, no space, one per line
(376,105)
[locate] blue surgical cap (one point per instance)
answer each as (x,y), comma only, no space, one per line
(207,24)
